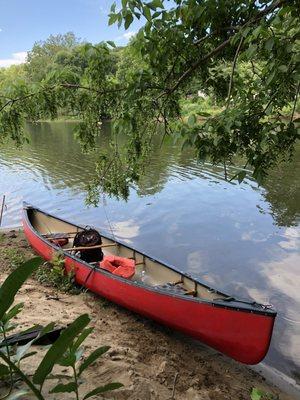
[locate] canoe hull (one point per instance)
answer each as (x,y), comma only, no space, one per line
(242,335)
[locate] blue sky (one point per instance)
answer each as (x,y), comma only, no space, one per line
(23,22)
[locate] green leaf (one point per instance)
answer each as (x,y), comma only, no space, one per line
(192,120)
(15,310)
(67,360)
(120,20)
(4,370)
(103,389)
(111,43)
(257,31)
(81,338)
(203,114)
(241,175)
(48,328)
(64,388)
(128,20)
(59,347)
(155,4)
(112,18)
(156,14)
(147,13)
(32,353)
(256,394)
(246,31)
(113,8)
(269,44)
(14,281)
(283,68)
(92,358)
(251,50)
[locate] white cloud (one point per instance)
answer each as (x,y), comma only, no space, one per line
(126,36)
(129,35)
(0,30)
(17,58)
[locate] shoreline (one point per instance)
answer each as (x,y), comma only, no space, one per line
(141,347)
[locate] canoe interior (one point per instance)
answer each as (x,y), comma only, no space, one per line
(148,271)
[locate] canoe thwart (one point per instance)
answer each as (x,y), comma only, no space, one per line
(50,235)
(98,246)
(177,282)
(139,263)
(190,293)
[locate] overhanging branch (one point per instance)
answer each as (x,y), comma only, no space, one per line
(218,49)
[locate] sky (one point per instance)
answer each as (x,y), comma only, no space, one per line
(23,22)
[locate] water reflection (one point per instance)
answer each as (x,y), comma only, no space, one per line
(243,239)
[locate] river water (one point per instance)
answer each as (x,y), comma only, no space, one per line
(243,239)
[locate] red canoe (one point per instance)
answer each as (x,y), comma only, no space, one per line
(238,328)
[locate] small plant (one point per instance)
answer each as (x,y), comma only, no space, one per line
(66,351)
(54,273)
(258,394)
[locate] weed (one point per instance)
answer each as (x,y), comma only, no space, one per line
(258,394)
(54,274)
(2,237)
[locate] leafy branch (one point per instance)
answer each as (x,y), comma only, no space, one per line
(218,49)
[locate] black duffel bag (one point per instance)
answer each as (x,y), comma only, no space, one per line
(87,238)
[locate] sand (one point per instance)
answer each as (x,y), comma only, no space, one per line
(152,362)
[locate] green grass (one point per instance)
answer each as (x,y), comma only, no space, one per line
(2,237)
(14,256)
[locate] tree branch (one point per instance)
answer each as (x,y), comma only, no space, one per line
(218,49)
(12,101)
(72,86)
(232,71)
(75,86)
(63,85)
(295,103)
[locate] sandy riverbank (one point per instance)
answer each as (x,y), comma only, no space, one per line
(144,356)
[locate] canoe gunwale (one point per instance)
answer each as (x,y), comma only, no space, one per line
(234,305)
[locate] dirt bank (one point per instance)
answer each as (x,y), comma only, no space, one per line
(144,356)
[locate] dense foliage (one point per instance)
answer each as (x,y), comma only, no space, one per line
(243,54)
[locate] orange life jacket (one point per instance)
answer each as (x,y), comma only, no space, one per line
(120,266)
